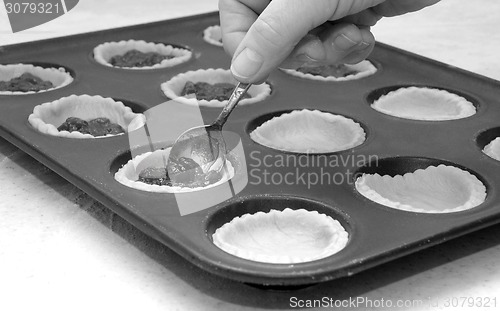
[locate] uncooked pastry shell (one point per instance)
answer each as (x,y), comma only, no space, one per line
(47,117)
(422,103)
(309,131)
(364,69)
(282,237)
(128,175)
(58,76)
(493,149)
(105,51)
(173,87)
(436,189)
(212,35)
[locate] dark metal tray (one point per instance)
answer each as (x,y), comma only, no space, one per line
(377,233)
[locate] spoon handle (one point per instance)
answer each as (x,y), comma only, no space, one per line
(237,94)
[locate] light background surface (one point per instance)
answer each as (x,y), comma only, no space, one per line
(57,251)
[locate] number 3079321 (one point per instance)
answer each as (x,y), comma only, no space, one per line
(32,8)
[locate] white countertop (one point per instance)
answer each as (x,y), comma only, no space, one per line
(60,250)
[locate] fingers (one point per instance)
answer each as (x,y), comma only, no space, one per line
(399,7)
(261,34)
(276,31)
(273,35)
(333,44)
(365,18)
(346,43)
(365,49)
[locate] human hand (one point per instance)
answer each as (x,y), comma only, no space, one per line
(262,34)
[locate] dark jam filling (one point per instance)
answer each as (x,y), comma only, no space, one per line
(25,83)
(338,71)
(95,127)
(135,58)
(207,91)
(182,172)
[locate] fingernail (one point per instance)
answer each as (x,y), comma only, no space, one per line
(343,43)
(364,45)
(247,64)
(304,58)
(298,61)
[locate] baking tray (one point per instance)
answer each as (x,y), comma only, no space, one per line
(377,233)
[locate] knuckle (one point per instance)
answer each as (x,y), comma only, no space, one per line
(268,32)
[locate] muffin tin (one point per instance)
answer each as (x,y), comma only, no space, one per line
(377,233)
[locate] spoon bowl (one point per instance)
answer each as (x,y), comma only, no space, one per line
(205,145)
